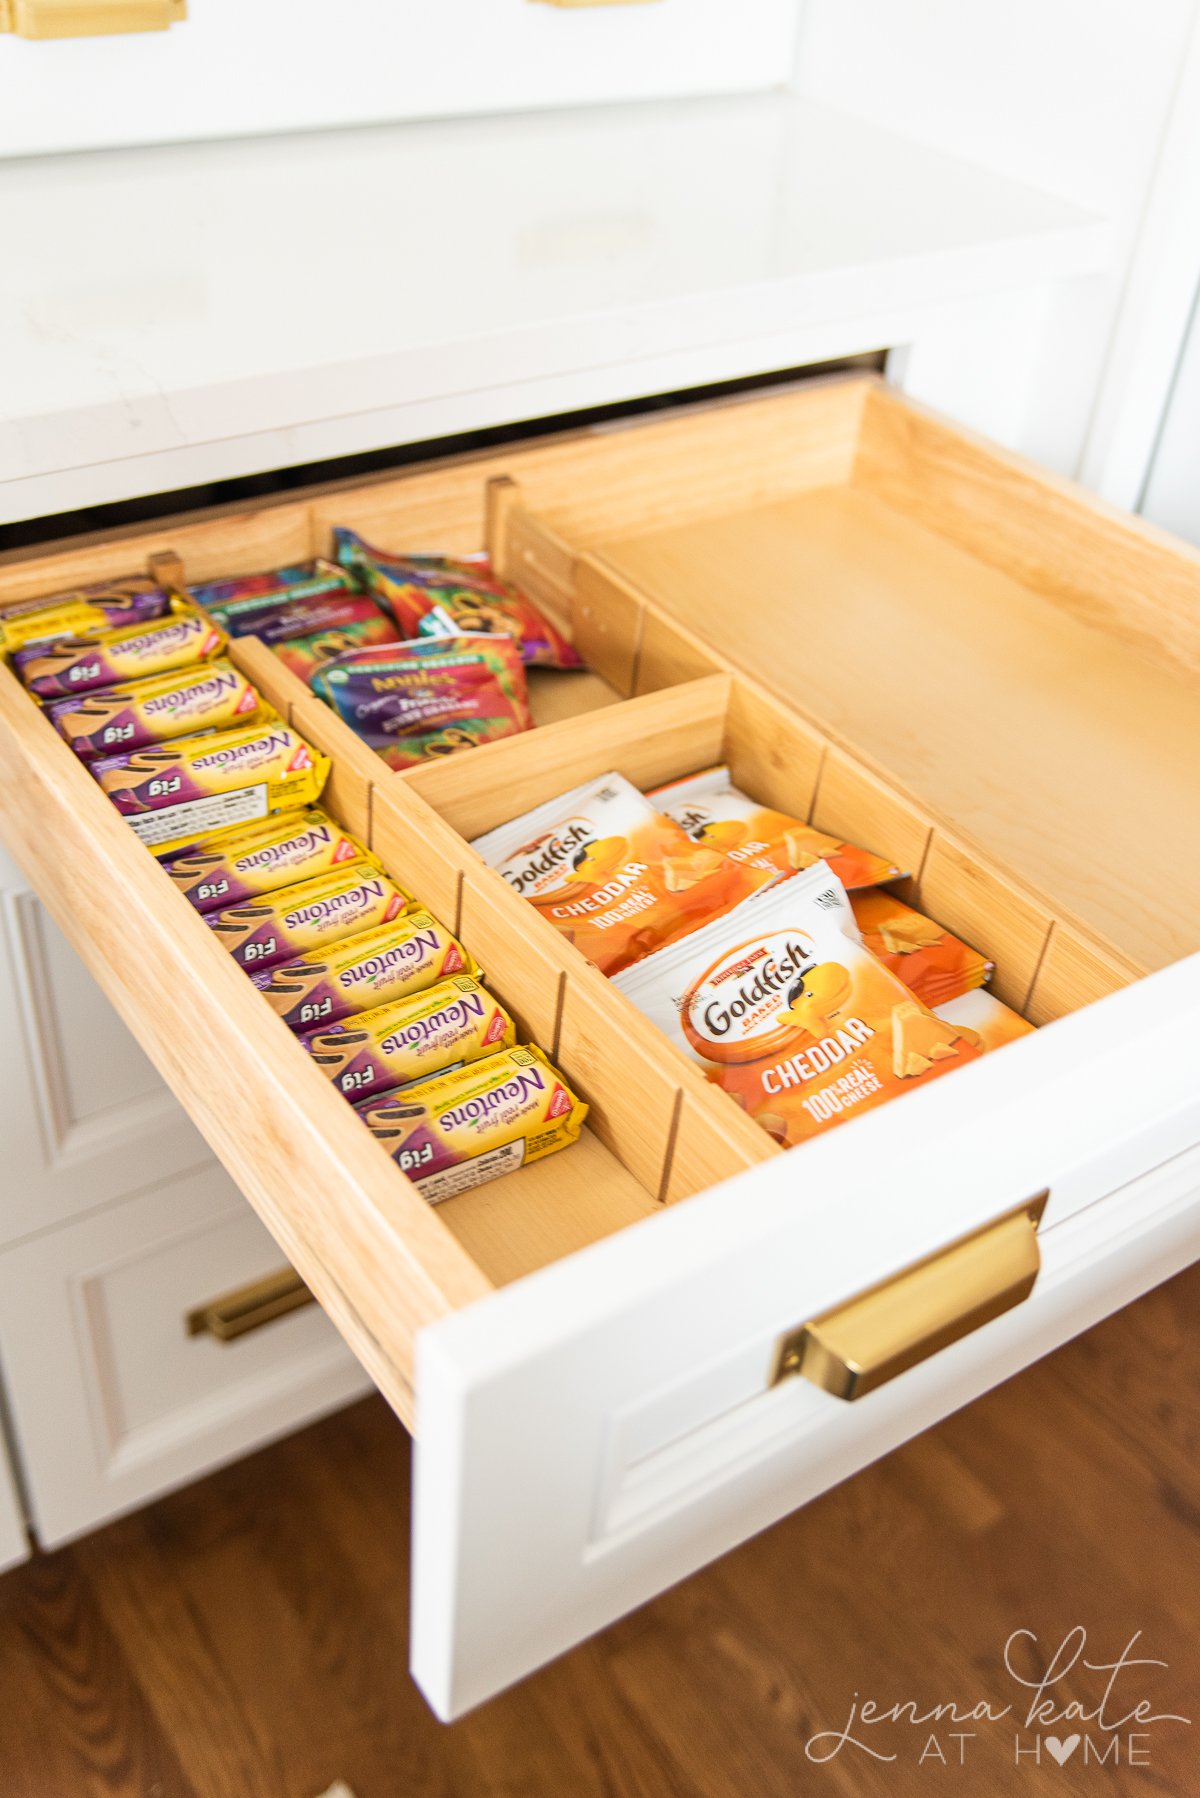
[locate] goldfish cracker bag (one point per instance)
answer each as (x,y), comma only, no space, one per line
(984,1021)
(933,964)
(785,1009)
(714,812)
(618,878)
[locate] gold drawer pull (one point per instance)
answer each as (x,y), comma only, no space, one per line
(879,1333)
(88,18)
(249,1307)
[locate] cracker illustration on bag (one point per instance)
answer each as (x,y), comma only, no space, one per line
(785,1009)
(618,878)
(933,964)
(984,1021)
(716,813)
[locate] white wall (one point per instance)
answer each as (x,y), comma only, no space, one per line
(1074,96)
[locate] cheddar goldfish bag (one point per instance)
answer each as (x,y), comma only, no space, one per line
(615,876)
(785,1010)
(716,813)
(934,965)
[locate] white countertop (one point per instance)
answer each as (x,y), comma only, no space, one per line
(183,314)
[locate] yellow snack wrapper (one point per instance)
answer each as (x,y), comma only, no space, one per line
(787,1012)
(456,1021)
(111,658)
(372,969)
(457,1130)
(198,785)
(208,696)
(237,865)
(313,914)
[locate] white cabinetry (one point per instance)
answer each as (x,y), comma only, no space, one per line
(115,1221)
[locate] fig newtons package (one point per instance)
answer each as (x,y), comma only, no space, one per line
(615,876)
(785,1009)
(477,1122)
(716,813)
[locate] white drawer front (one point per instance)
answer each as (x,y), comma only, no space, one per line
(112,1400)
(602,1428)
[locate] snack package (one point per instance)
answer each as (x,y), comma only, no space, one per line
(714,812)
(312,914)
(81,611)
(465,589)
(933,964)
(785,1010)
(196,786)
(489,1118)
(366,971)
(304,655)
(455,1022)
(984,1021)
(115,720)
(234,866)
(235,599)
(68,665)
(617,877)
(419,701)
(278,620)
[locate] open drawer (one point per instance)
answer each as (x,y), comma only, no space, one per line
(885,628)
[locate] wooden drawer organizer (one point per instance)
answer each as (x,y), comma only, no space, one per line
(662,699)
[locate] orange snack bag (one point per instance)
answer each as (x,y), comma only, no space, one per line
(932,963)
(615,876)
(984,1021)
(785,1009)
(716,813)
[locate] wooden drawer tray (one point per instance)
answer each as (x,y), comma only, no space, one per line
(589,1368)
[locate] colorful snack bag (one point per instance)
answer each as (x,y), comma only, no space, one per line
(304,655)
(714,812)
(313,914)
(423,700)
(115,720)
(277,620)
(467,590)
(443,1027)
(198,785)
(618,878)
(234,866)
(785,1010)
(489,1118)
(82,611)
(933,964)
(367,971)
(984,1021)
(68,665)
(234,599)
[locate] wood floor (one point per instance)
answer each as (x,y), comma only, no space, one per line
(246,1638)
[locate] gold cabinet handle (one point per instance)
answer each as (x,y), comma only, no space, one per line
(249,1307)
(876,1335)
(88,18)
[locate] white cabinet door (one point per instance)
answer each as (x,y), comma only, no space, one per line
(112,1399)
(275,65)
(591,1434)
